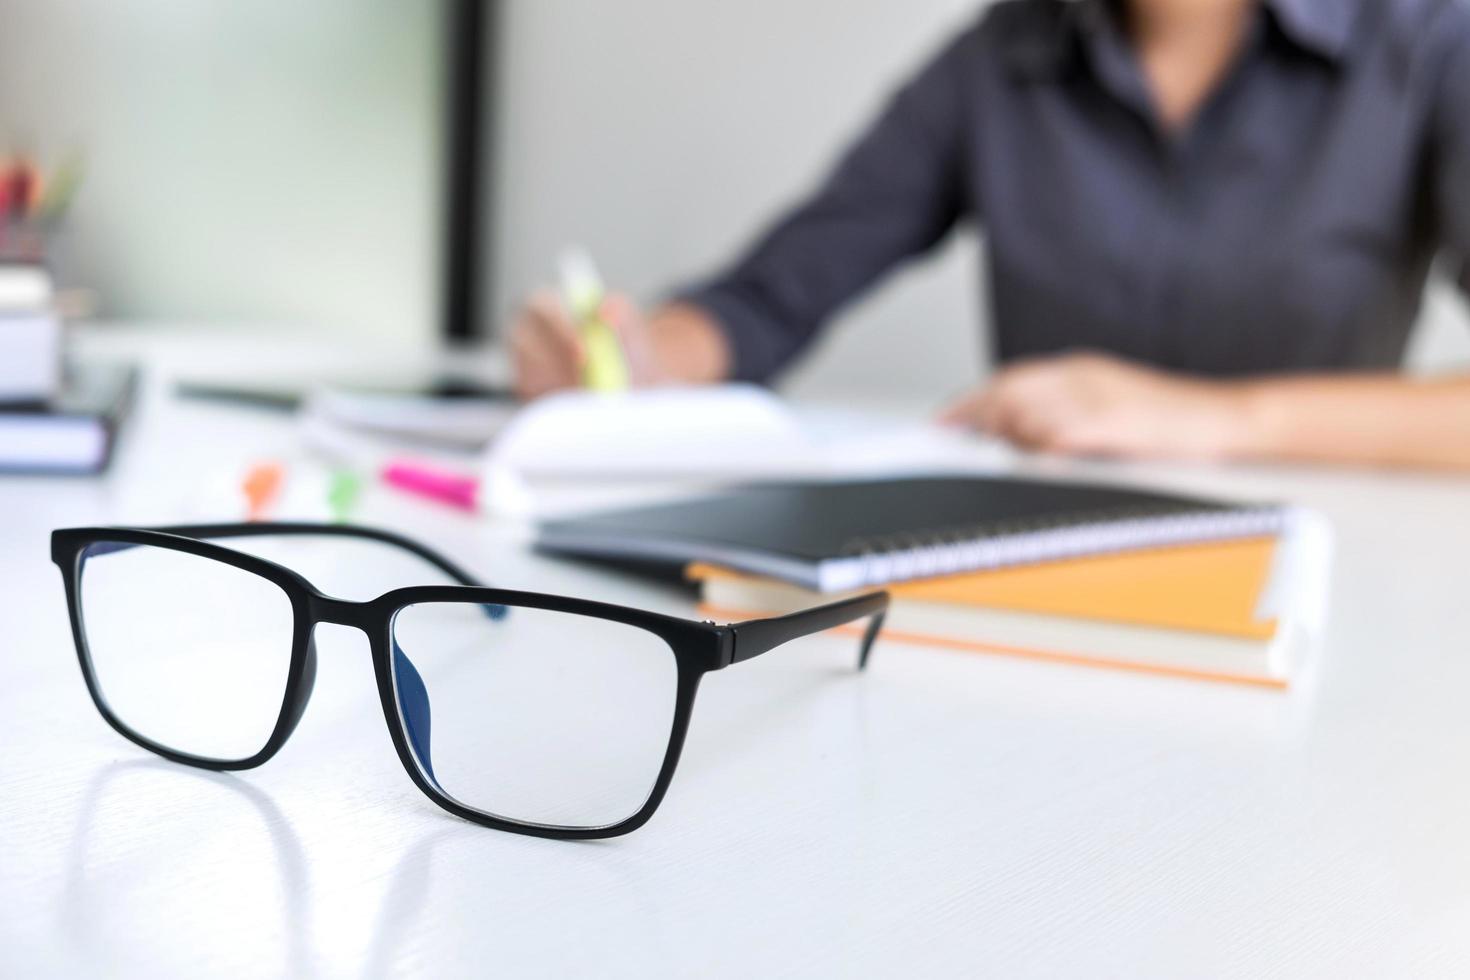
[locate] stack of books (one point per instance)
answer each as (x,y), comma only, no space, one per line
(30,335)
(1073,574)
(52,421)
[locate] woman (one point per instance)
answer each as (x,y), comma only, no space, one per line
(1209,226)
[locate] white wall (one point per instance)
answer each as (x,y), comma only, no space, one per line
(271,161)
(663,133)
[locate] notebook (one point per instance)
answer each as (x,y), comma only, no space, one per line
(1247,611)
(1269,660)
(831,536)
(1215,587)
(73,433)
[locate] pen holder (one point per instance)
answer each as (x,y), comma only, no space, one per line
(34,243)
(23,242)
(46,245)
(30,323)
(39,243)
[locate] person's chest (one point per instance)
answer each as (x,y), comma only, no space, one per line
(1284,227)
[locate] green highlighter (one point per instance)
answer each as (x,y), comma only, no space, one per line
(605,368)
(343,490)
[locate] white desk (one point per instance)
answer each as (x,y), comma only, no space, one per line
(944,815)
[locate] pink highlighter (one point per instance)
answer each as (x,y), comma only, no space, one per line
(458,490)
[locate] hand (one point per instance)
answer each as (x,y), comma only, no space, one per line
(546,348)
(1095,404)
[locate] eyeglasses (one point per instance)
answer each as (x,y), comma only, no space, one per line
(532,713)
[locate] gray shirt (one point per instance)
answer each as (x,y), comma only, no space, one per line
(1290,225)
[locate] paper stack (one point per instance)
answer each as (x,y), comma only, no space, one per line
(30,335)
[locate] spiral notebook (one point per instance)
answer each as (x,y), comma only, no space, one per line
(834,536)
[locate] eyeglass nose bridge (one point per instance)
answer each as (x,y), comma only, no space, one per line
(341,612)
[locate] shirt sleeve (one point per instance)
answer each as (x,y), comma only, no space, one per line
(1451,155)
(895,193)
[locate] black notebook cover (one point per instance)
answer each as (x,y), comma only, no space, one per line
(833,536)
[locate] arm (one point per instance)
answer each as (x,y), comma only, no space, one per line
(1094,404)
(758,636)
(1384,419)
(894,194)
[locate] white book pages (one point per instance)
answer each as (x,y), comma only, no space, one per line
(30,356)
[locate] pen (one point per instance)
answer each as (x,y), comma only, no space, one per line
(21,185)
(343,491)
(262,488)
(495,491)
(491,490)
(53,201)
(605,368)
(457,490)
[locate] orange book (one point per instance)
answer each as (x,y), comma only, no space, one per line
(1210,588)
(1185,611)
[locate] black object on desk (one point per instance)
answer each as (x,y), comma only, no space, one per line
(836,535)
(74,433)
(287,397)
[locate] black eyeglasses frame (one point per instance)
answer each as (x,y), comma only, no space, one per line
(699,647)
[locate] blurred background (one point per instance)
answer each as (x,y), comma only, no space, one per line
(282,165)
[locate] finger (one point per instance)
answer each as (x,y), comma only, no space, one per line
(1068,433)
(531,379)
(964,410)
(1070,441)
(1006,401)
(538,366)
(1085,440)
(993,408)
(620,312)
(981,407)
(545,340)
(546,318)
(1028,381)
(1024,419)
(1029,430)
(631,329)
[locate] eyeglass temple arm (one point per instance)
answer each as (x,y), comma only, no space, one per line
(757,636)
(264,528)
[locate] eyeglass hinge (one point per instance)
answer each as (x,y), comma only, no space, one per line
(727,645)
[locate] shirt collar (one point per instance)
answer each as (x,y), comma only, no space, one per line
(1321,27)
(1050,38)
